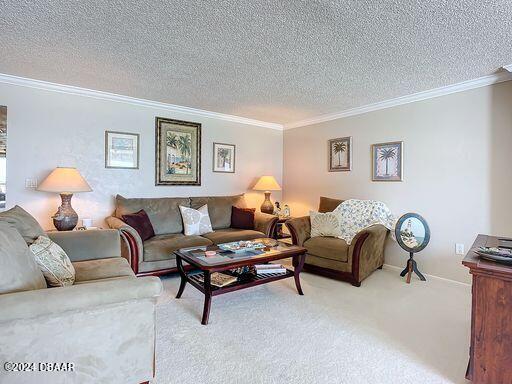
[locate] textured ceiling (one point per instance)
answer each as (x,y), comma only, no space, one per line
(276,61)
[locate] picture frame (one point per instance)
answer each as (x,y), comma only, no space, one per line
(387,161)
(224,158)
(340,154)
(122,150)
(178,152)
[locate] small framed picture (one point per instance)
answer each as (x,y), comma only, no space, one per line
(387,161)
(223,158)
(121,150)
(340,154)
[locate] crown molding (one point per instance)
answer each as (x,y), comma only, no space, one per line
(78,91)
(432,93)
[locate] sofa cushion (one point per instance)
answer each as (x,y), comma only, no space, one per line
(141,223)
(324,224)
(100,269)
(242,218)
(328,205)
(196,221)
(24,222)
(219,208)
(18,268)
(164,212)
(228,235)
(53,262)
(161,247)
(328,247)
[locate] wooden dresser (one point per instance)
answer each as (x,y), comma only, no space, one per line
(490,355)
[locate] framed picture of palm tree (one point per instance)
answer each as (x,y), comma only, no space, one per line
(223,158)
(387,161)
(340,154)
(178,152)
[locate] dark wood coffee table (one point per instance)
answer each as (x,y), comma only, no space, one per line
(206,266)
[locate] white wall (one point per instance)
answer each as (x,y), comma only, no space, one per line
(48,129)
(457,169)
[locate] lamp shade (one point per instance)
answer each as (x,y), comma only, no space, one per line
(64,180)
(267,183)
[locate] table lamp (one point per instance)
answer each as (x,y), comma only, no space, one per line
(267,184)
(65,181)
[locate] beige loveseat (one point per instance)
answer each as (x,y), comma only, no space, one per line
(155,256)
(333,257)
(103,325)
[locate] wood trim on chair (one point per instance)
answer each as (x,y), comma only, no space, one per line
(134,251)
(293,233)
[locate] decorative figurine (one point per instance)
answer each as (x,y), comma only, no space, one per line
(286,211)
(277,208)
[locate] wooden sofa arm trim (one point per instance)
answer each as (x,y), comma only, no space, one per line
(356,256)
(134,251)
(293,233)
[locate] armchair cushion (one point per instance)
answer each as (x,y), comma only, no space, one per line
(91,270)
(24,222)
(161,247)
(328,205)
(228,235)
(78,297)
(88,245)
(330,248)
(18,268)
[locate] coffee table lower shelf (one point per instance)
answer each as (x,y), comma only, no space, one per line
(197,280)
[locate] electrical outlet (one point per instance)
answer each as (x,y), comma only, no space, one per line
(30,183)
(459,249)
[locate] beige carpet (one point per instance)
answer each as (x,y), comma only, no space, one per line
(383,332)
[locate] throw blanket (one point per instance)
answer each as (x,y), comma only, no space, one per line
(356,215)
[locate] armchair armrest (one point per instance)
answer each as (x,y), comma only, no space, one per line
(300,229)
(88,245)
(133,248)
(265,223)
(49,301)
(367,250)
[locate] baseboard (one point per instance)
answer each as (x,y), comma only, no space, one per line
(399,269)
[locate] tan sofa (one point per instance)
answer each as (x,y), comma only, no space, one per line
(333,257)
(155,256)
(104,324)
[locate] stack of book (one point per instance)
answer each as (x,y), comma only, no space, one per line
(262,269)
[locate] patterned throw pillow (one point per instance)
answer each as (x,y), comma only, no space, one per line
(196,221)
(324,224)
(53,262)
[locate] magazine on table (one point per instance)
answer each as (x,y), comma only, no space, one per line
(219,279)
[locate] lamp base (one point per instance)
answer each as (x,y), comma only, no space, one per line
(66,218)
(267,206)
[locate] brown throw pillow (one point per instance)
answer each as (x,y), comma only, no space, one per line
(242,218)
(141,223)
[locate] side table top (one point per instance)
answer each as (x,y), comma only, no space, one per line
(479,265)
